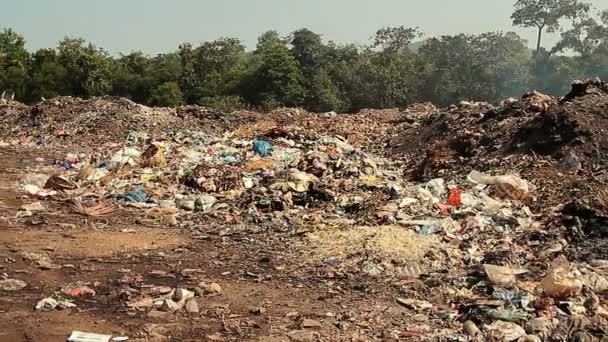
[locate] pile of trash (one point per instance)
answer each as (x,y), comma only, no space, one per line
(466,215)
(105,118)
(322,182)
(474,240)
(556,142)
(70,119)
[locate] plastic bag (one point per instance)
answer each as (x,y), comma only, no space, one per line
(502,275)
(514,186)
(261,148)
(560,281)
(136,194)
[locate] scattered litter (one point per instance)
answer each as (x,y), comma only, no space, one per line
(12,284)
(79,336)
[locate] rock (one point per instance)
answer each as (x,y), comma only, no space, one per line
(33,207)
(302,335)
(505,331)
(258,310)
(171,306)
(12,284)
(532,338)
(211,288)
(43,260)
(311,323)
(471,329)
(181,295)
(169,220)
(158,314)
(191,305)
(141,303)
(186,205)
(414,304)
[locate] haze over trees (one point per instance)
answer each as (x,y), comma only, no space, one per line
(301,69)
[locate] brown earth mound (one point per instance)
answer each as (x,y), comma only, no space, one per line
(560,143)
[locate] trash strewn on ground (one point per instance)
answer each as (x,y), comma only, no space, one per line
(475,221)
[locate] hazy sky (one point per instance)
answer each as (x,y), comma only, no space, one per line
(154,26)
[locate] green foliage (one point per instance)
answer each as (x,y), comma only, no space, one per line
(545,15)
(395,39)
(475,67)
(214,69)
(276,79)
(166,95)
(302,69)
(13,63)
(136,75)
(88,68)
(224,103)
(46,76)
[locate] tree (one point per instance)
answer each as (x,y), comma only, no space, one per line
(14,59)
(395,39)
(307,48)
(88,68)
(187,79)
(212,71)
(166,95)
(543,15)
(485,67)
(315,62)
(129,77)
(219,67)
(276,79)
(137,75)
(585,34)
(47,77)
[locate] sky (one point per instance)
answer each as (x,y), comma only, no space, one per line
(156,26)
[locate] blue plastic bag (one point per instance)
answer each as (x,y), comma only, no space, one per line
(261,148)
(136,194)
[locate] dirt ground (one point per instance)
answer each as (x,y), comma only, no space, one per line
(268,294)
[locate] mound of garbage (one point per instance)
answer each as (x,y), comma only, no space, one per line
(107,118)
(104,117)
(557,142)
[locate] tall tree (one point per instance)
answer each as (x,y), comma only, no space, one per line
(315,61)
(483,67)
(187,79)
(395,39)
(585,34)
(14,59)
(129,77)
(219,66)
(544,15)
(276,79)
(166,95)
(47,77)
(88,68)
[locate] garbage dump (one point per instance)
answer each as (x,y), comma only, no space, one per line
(473,222)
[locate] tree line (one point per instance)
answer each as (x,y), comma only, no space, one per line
(301,69)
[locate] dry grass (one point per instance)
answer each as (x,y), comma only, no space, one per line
(385,243)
